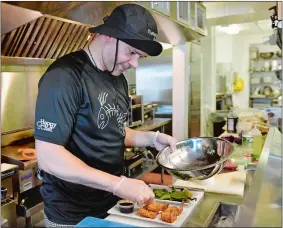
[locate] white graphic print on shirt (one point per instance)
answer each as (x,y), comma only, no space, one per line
(107,111)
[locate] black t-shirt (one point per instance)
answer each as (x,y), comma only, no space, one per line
(85,111)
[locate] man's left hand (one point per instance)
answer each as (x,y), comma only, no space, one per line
(163,140)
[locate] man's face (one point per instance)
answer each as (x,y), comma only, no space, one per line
(127,57)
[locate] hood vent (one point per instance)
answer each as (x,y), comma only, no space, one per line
(47,37)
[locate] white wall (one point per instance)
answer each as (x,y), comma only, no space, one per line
(208,85)
(224,46)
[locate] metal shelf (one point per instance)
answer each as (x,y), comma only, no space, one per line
(277,58)
(273,83)
(271,71)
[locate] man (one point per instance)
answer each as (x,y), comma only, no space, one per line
(81,111)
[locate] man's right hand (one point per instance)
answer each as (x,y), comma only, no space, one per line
(133,189)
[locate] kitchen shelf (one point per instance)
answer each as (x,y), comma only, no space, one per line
(261,78)
(264,71)
(277,58)
(273,98)
(273,83)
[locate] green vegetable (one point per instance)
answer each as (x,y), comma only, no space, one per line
(166,197)
(179,195)
(175,194)
(188,193)
(160,192)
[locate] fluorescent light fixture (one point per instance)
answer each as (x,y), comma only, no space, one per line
(166,46)
(231,29)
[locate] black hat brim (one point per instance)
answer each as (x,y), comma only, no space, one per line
(151,47)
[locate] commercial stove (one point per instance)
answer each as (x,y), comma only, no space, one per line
(27,185)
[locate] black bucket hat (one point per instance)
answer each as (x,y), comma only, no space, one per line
(133,25)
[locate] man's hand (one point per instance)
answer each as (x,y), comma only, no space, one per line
(161,141)
(149,138)
(133,189)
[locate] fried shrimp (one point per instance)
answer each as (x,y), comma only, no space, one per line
(170,214)
(156,207)
(146,213)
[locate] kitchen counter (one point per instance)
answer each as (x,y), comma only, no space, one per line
(262,201)
(259,194)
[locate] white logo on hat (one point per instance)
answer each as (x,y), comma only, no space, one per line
(152,33)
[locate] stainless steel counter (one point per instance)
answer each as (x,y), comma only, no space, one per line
(259,205)
(263,203)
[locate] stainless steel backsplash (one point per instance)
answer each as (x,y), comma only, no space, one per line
(19,88)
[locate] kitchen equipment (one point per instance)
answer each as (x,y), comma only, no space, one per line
(266,66)
(149,111)
(231,124)
(274,65)
(278,73)
(136,111)
(3,193)
(133,164)
(280,100)
(267,79)
(27,184)
(253,53)
(256,91)
(266,55)
(255,80)
(9,174)
(267,91)
(9,177)
(195,158)
(280,124)
(277,92)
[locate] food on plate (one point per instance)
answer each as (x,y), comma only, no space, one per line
(156,207)
(171,213)
(175,210)
(146,213)
(174,195)
(168,217)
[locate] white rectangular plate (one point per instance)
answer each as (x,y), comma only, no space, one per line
(188,209)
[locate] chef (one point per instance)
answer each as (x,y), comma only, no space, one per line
(81,111)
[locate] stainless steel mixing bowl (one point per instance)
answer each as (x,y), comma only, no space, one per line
(196,158)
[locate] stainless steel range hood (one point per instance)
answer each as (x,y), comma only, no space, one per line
(57,28)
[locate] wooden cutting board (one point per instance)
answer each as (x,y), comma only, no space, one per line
(227,183)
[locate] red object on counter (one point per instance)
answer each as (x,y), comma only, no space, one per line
(230,166)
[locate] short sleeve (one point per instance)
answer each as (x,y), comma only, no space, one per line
(58,101)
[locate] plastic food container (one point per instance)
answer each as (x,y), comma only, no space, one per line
(126,206)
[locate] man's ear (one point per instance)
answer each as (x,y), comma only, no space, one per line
(107,39)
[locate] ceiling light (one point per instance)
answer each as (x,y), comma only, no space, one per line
(231,29)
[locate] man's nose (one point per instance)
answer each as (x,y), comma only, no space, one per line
(134,62)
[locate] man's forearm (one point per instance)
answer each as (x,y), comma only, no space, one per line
(58,161)
(138,138)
